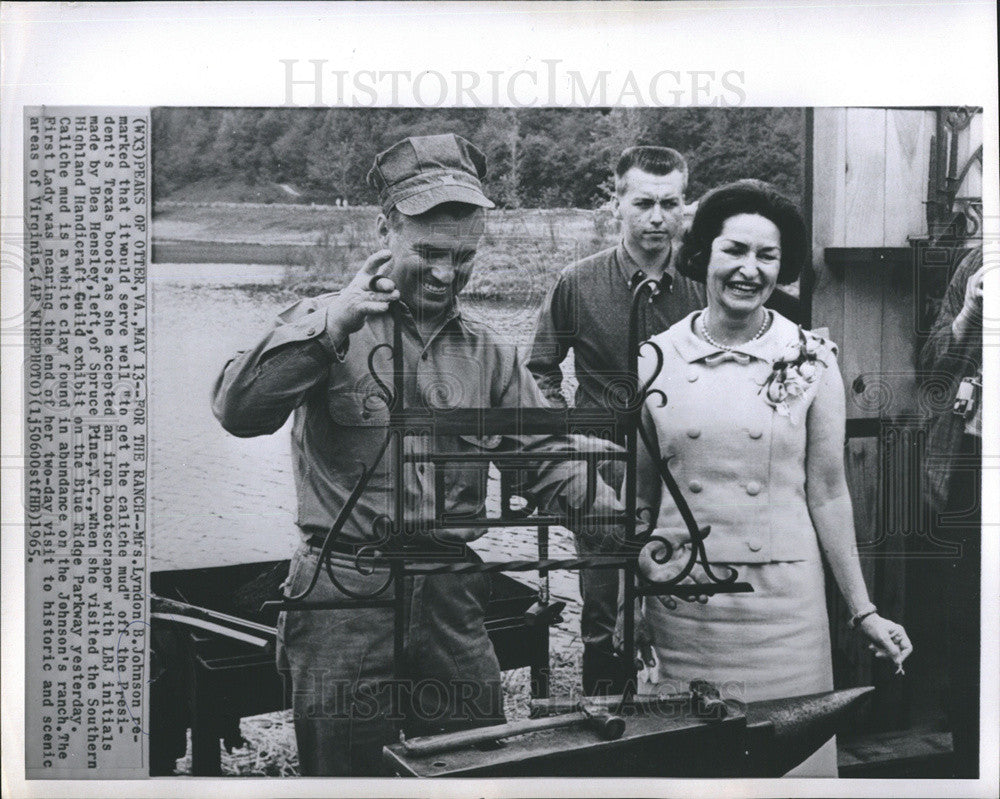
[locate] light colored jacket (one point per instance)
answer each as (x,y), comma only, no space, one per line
(738,459)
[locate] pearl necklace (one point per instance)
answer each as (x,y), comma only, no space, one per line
(731,347)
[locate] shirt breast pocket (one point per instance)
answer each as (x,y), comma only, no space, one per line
(360,405)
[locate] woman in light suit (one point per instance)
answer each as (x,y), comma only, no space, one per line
(753,432)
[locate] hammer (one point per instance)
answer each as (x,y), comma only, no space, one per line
(605,724)
(705,700)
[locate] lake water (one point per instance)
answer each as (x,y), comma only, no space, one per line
(217,274)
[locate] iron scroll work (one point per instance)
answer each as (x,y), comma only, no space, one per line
(635,525)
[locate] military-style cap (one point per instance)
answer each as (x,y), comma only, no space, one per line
(420,172)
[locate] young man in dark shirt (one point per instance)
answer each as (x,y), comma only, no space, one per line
(587,311)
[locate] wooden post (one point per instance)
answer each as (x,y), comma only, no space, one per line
(869,185)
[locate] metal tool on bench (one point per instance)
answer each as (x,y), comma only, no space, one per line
(607,725)
(544,612)
(223,624)
(702,699)
(662,737)
(599,713)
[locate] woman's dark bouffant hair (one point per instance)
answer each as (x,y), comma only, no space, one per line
(744,197)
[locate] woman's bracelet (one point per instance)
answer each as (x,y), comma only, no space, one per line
(860,616)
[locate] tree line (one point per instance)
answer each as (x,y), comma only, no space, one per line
(538,158)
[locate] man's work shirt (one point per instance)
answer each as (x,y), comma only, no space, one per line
(340,419)
(588,309)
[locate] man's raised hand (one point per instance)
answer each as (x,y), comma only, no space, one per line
(970,317)
(973,305)
(369,292)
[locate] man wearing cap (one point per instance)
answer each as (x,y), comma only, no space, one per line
(315,362)
(587,310)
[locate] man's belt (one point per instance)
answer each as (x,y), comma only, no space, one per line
(346,548)
(456,551)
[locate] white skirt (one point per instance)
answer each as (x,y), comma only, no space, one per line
(769,644)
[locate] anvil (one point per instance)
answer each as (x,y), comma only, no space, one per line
(668,739)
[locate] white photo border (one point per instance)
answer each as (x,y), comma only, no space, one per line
(804,53)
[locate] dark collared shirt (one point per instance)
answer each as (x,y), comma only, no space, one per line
(588,309)
(340,421)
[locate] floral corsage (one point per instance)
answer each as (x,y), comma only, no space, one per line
(792,375)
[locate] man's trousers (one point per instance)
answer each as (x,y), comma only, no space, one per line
(345,703)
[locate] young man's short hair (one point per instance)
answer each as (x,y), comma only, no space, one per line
(654,160)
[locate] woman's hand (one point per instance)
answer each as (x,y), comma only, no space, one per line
(656,563)
(887,639)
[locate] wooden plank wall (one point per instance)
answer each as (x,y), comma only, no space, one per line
(869,184)
(870,172)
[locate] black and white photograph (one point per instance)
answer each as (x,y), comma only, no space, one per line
(809,283)
(602,393)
